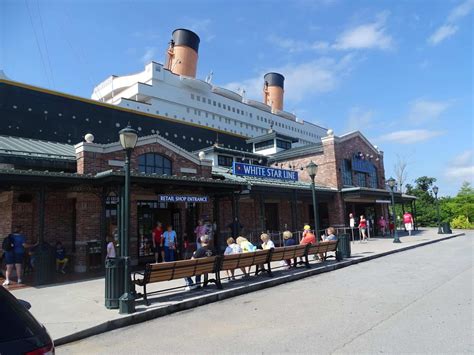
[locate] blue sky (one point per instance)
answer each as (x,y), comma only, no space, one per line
(399,71)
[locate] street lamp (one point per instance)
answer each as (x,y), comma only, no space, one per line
(128,140)
(435,191)
(312,169)
(392,183)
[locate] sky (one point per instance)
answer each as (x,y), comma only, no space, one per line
(401,72)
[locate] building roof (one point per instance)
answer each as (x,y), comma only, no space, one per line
(33,148)
(234,152)
(271,135)
(296,152)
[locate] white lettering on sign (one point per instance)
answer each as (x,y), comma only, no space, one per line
(183,198)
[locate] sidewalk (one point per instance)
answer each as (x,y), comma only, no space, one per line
(71,311)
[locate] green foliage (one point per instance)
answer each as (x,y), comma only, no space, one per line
(458,210)
(461,222)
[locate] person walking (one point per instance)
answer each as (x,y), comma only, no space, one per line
(169,243)
(363,228)
(157,238)
(408,222)
(16,255)
(199,231)
(61,259)
(382,225)
(111,253)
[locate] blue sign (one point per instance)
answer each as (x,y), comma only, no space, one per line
(362,165)
(183,198)
(264,172)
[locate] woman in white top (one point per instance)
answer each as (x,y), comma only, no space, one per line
(111,248)
(232,248)
(266,242)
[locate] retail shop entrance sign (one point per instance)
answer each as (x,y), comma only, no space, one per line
(264,172)
(183,198)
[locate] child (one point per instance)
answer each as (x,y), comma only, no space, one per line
(61,260)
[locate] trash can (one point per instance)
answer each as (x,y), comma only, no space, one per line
(446,227)
(343,247)
(114,282)
(44,264)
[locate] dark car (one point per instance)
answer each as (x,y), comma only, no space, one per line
(20,332)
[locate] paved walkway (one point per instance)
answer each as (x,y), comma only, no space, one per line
(70,310)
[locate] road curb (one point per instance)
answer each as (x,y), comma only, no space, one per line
(225,294)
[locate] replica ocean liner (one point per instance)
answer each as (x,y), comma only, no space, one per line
(172,90)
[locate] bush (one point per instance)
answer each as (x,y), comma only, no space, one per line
(461,222)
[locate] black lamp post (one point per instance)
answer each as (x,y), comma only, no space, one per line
(435,191)
(312,170)
(128,140)
(392,183)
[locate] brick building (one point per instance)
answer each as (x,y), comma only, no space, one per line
(181,172)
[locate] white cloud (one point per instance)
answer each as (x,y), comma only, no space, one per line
(149,54)
(408,136)
(449,28)
(461,11)
(366,36)
(422,110)
(201,26)
(359,119)
(442,33)
(294,46)
(301,80)
(461,168)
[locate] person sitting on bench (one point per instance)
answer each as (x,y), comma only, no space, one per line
(203,252)
(329,237)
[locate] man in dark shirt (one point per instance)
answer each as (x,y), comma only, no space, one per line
(203,252)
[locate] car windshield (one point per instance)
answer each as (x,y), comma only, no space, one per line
(17,322)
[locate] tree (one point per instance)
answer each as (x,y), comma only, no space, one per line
(424,183)
(400,170)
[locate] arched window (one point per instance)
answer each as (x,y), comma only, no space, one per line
(152,163)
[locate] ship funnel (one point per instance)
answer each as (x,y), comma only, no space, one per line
(182,54)
(273,90)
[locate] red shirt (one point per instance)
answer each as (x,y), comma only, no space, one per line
(407,218)
(363,223)
(158,235)
(308,238)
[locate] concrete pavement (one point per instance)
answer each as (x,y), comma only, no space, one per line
(76,310)
(418,301)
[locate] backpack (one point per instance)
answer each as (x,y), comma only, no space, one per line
(7,244)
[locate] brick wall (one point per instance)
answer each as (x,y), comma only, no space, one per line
(92,163)
(6,201)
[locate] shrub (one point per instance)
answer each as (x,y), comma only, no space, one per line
(461,222)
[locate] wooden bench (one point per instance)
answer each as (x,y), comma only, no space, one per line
(242,260)
(324,248)
(176,270)
(291,253)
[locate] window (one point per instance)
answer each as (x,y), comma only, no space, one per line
(219,104)
(264,145)
(214,103)
(361,179)
(346,172)
(223,160)
(152,163)
(209,101)
(233,109)
(192,96)
(283,144)
(198,97)
(223,106)
(373,178)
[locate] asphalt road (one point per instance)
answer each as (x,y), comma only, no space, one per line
(418,301)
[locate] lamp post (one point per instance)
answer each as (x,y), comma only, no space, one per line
(128,140)
(391,183)
(312,169)
(435,191)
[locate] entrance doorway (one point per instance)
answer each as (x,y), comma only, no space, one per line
(149,213)
(271,217)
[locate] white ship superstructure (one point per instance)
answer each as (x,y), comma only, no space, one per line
(172,91)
